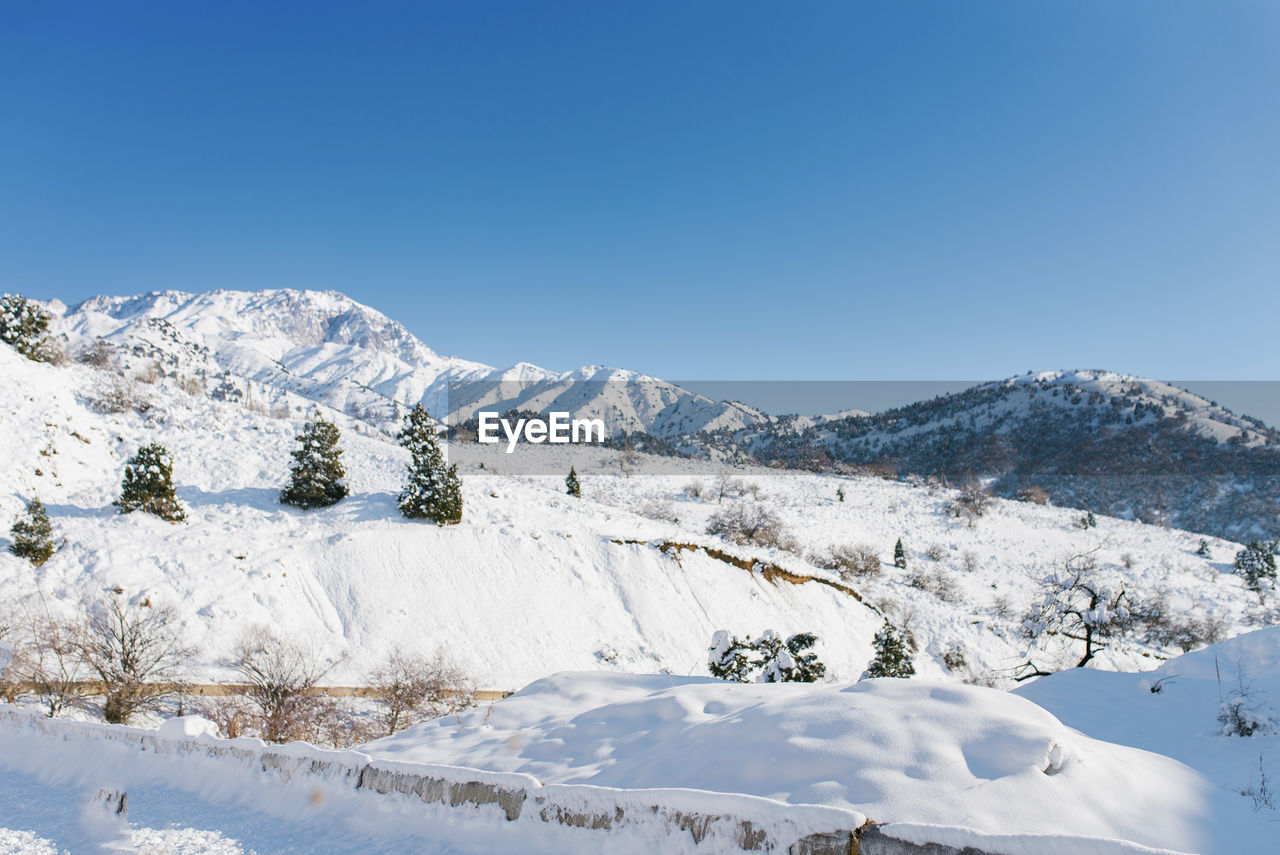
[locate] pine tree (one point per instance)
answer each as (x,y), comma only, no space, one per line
(727,657)
(22,325)
(899,555)
(1203,549)
(148,485)
(1256,564)
(840,494)
(893,656)
(33,534)
(571,483)
(316,478)
(434,491)
(805,667)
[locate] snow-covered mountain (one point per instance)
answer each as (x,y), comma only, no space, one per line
(279,347)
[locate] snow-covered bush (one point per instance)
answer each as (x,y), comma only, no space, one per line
(572,486)
(412,688)
(32,534)
(22,326)
(316,478)
(148,485)
(937,582)
(433,491)
(1243,712)
(1256,564)
(893,654)
(850,560)
(659,509)
(120,395)
(768,659)
(935,552)
(750,524)
(99,354)
(695,489)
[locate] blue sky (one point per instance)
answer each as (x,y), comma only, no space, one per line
(720,190)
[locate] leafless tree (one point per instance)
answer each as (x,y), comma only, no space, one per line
(135,651)
(46,657)
(413,687)
(1081,605)
(281,677)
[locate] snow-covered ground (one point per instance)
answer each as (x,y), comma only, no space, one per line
(534,581)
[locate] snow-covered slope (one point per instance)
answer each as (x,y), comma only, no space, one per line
(534,581)
(326,347)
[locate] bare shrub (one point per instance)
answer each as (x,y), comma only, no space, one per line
(413,688)
(972,502)
(1034,494)
(695,489)
(135,651)
(45,656)
(935,552)
(728,486)
(659,509)
(281,677)
(233,714)
(1187,632)
(953,658)
(969,561)
(151,373)
(99,354)
(851,560)
(121,395)
(750,524)
(937,582)
(193,386)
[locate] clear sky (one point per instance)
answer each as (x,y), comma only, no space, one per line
(719,190)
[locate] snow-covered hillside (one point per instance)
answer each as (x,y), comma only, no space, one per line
(1129,447)
(534,581)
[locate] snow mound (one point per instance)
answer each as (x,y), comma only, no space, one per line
(1177,710)
(187,727)
(895,750)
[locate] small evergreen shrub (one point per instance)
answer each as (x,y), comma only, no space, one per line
(22,326)
(316,478)
(33,534)
(1256,564)
(893,654)
(572,486)
(148,485)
